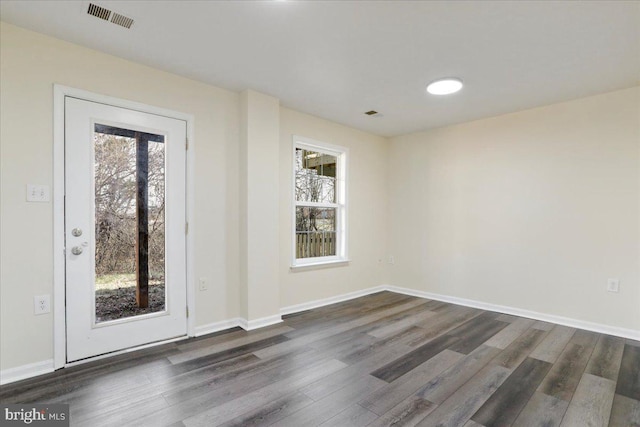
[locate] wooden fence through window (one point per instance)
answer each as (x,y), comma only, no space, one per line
(315,243)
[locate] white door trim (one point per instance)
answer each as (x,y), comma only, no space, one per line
(59,312)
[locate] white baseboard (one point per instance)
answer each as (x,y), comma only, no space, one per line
(25,371)
(218,326)
(249,325)
(331,300)
(46,366)
(245,324)
(560,320)
(260,323)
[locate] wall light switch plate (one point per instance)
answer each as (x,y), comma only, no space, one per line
(202,284)
(613,285)
(37,193)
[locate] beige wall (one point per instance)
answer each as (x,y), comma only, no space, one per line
(260,289)
(31,63)
(533,210)
(367,211)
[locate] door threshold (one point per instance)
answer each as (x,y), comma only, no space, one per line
(124,351)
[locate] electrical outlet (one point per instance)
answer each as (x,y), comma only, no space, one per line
(37,193)
(613,285)
(203,284)
(41,304)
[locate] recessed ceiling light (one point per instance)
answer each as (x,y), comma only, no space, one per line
(444,86)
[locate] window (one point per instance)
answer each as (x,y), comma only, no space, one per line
(319,208)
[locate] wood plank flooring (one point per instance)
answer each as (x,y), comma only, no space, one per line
(381,360)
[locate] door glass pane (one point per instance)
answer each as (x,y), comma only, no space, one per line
(315,231)
(129,173)
(315,176)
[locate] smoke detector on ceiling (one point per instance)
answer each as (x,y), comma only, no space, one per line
(110,16)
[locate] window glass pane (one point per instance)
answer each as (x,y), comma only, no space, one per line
(315,232)
(315,176)
(129,220)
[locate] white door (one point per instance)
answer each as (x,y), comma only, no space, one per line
(124,228)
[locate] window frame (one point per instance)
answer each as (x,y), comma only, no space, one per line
(341,154)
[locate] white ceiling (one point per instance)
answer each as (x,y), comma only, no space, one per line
(338,59)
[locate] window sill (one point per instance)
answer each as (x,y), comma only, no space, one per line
(319,265)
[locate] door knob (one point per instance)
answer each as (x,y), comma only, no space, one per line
(76,250)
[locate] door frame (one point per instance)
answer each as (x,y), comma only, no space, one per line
(60,92)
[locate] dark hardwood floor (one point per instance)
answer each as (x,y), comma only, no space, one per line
(381,360)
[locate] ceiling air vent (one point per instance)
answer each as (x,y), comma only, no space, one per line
(107,15)
(123,21)
(99,12)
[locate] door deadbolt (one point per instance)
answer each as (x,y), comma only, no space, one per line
(77,232)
